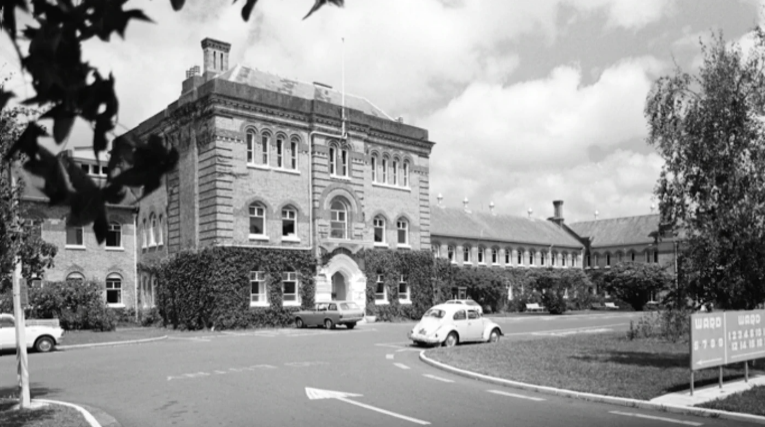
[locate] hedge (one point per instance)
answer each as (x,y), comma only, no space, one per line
(211,288)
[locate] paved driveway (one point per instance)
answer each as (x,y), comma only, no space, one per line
(291,377)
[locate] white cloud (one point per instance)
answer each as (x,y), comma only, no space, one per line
(527,141)
(629,14)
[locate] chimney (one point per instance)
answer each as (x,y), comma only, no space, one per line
(491,207)
(193,79)
(440,199)
(400,119)
(557,212)
(215,54)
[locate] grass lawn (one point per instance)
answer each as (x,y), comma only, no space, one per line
(751,401)
(608,364)
(48,416)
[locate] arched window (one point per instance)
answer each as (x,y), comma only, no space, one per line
(144,231)
(251,147)
(332,160)
(279,151)
(265,141)
(466,254)
(436,249)
(589,260)
(289,222)
(373,162)
(596,260)
(394,171)
(384,178)
(114,289)
(152,230)
(294,153)
(531,257)
(403,231)
(405,175)
(379,226)
(542,257)
(75,276)
(450,254)
(160,232)
(520,257)
(338,219)
(563,257)
(481,255)
(257,220)
(608,260)
(343,161)
(632,256)
(494,256)
(508,256)
(114,236)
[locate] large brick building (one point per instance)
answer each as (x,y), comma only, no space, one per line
(268,162)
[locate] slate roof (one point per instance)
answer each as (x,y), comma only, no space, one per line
(632,230)
(452,222)
(263,80)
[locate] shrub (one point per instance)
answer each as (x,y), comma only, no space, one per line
(211,288)
(77,305)
(668,324)
(633,282)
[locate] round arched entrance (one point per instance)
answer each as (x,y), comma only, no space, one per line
(344,281)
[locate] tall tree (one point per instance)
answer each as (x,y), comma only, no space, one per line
(69,87)
(709,130)
(19,236)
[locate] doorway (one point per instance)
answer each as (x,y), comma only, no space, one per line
(338,287)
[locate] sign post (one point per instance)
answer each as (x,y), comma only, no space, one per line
(721,338)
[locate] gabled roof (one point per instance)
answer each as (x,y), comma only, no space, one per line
(632,230)
(263,80)
(34,193)
(451,222)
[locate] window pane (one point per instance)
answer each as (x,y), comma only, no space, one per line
(279,147)
(256,225)
(250,147)
(293,153)
(74,236)
(114,236)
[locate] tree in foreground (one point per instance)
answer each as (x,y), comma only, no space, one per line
(635,282)
(708,128)
(67,87)
(19,236)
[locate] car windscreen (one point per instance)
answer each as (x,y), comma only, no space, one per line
(434,312)
(349,306)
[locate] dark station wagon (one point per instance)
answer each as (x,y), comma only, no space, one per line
(329,314)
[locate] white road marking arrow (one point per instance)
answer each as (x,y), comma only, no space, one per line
(315,393)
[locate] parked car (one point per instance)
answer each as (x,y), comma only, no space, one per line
(452,324)
(41,334)
(329,314)
(468,301)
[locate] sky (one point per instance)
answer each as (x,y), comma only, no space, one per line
(527,101)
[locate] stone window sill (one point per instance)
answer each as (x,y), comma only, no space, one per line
(75,247)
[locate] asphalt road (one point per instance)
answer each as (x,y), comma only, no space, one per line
(286,378)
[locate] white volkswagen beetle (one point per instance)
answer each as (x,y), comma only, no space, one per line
(451,324)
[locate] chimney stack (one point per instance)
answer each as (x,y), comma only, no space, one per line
(215,54)
(557,212)
(193,79)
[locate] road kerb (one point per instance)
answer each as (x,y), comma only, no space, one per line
(621,401)
(110,343)
(84,412)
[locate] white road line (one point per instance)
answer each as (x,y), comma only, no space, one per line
(437,378)
(389,356)
(651,417)
(519,396)
(401,365)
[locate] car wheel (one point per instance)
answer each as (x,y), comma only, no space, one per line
(44,344)
(494,337)
(451,339)
(328,324)
(299,323)
(350,325)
